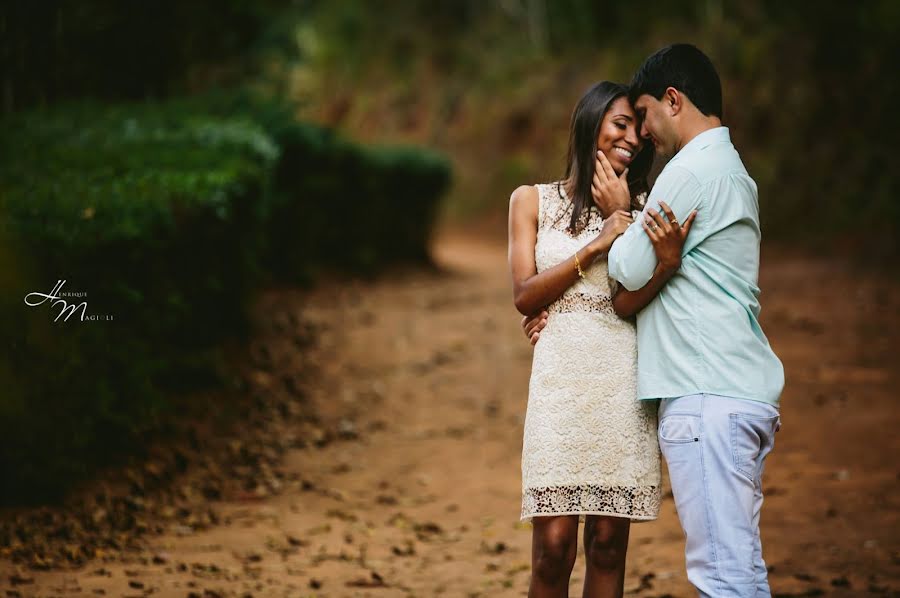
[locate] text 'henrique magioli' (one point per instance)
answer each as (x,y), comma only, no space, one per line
(56,297)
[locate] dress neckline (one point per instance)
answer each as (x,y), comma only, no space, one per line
(563,195)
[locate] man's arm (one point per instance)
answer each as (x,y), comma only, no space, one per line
(632,260)
(668,242)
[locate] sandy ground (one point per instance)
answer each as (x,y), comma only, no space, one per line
(428,371)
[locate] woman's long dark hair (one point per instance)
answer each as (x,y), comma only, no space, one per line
(586,119)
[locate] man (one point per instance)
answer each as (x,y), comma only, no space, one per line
(701,350)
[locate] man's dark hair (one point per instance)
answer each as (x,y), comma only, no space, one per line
(685,68)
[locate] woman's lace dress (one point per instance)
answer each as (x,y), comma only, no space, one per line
(590,445)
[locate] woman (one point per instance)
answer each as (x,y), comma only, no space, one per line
(590,449)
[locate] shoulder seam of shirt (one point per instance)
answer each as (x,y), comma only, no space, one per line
(721,175)
(701,187)
(686,171)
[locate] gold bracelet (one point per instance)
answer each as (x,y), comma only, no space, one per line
(578,266)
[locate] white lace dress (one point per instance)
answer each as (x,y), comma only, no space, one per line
(590,445)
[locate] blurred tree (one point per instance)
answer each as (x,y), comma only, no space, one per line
(808,89)
(57,49)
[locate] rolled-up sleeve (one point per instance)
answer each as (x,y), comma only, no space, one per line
(632,260)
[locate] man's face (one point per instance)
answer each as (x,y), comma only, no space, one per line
(657,124)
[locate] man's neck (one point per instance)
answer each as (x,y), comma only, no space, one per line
(697,125)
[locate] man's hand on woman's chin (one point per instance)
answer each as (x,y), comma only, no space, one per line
(532,325)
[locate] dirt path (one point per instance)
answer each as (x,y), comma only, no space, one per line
(426,376)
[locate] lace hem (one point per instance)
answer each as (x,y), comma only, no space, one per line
(582,303)
(633,502)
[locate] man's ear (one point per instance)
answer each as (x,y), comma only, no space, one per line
(673,101)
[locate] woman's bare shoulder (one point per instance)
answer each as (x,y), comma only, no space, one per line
(525,197)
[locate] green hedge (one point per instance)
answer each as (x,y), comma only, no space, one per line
(337,203)
(168,216)
(378,209)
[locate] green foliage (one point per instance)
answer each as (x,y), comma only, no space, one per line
(354,207)
(808,89)
(55,50)
(168,215)
(107,174)
(152,210)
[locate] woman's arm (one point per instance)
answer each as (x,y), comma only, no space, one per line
(532,291)
(627,303)
(668,239)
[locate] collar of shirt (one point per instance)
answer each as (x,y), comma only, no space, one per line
(703,141)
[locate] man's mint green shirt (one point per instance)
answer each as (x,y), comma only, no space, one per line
(701,333)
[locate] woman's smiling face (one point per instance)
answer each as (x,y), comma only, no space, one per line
(618,135)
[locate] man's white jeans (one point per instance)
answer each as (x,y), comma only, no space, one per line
(715,448)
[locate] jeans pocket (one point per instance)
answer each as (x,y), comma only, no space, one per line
(751,440)
(679,429)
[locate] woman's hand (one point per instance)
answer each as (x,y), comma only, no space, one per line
(610,192)
(613,226)
(667,235)
(532,326)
